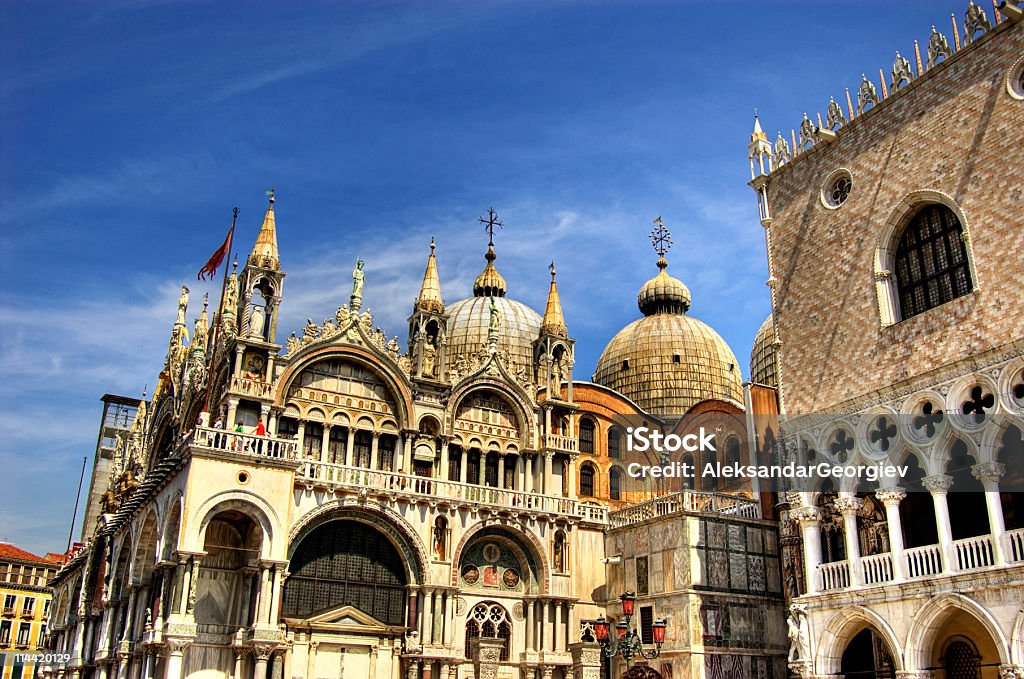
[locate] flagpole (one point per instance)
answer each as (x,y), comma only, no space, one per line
(220,314)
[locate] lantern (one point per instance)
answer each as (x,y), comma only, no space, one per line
(601,629)
(621,629)
(628,599)
(659,632)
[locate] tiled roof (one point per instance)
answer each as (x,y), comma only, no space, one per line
(9,551)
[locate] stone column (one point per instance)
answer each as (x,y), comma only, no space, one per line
(193,584)
(444,461)
(809,519)
(501,471)
(463,465)
(989,474)
(528,472)
(891,499)
(548,475)
(559,627)
(261,654)
(175,651)
(350,442)
(546,639)
(232,411)
(275,595)
(486,654)
(528,615)
(449,619)
(311,660)
(238,664)
(586,660)
(427,623)
(277,668)
(571,481)
(265,594)
(939,486)
(850,507)
(325,443)
(374,449)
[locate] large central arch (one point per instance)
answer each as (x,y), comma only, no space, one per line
(843,627)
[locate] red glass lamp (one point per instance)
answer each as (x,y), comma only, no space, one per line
(601,629)
(659,632)
(628,601)
(621,629)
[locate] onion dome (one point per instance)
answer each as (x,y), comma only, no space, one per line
(763,355)
(469,320)
(667,362)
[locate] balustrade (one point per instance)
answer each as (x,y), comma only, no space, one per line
(877,568)
(973,552)
(923,561)
(834,575)
(241,443)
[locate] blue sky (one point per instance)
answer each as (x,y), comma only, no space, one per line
(128,131)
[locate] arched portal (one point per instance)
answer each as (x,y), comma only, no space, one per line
(867,657)
(225,590)
(346,563)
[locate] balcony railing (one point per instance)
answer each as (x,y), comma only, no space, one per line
(688,501)
(251,387)
(249,445)
(877,568)
(923,561)
(1015,545)
(433,489)
(973,552)
(565,444)
(834,575)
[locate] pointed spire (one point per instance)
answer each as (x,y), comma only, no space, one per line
(758,134)
(430,291)
(264,252)
(554,321)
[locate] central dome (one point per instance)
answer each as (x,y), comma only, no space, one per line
(667,362)
(469,319)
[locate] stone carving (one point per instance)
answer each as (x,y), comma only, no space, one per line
(938,484)
(182,306)
(938,47)
(494,321)
(311,332)
(256,321)
(866,95)
(799,634)
(807,134)
(901,72)
(782,152)
(834,118)
(341,315)
(293,343)
(356,300)
(975,20)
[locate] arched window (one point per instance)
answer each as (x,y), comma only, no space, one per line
(488,619)
(614,441)
(586,436)
(931,261)
(558,553)
(732,450)
(615,483)
(587,480)
(312,440)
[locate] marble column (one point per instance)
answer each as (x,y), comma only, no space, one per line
(939,486)
(809,519)
(989,474)
(850,507)
(891,499)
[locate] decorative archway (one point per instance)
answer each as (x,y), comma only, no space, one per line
(928,623)
(841,630)
(515,545)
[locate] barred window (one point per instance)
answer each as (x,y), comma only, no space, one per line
(586,436)
(587,480)
(615,483)
(614,441)
(931,261)
(346,563)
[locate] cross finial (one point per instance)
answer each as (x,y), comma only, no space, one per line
(490,221)
(661,239)
(270,194)
(552,269)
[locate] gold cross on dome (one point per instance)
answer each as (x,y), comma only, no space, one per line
(661,239)
(490,221)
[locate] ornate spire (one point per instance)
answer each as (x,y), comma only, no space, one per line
(490,283)
(554,321)
(264,252)
(758,134)
(430,291)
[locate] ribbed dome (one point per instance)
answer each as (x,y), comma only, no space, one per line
(467,328)
(762,356)
(663,294)
(667,363)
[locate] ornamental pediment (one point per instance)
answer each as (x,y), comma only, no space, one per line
(347,618)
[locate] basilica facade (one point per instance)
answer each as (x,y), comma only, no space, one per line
(340,504)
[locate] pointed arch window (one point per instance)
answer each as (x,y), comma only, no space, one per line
(931,264)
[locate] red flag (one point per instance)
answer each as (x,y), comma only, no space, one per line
(216,258)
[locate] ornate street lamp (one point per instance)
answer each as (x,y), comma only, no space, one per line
(628,642)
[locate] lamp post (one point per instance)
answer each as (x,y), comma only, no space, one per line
(627,642)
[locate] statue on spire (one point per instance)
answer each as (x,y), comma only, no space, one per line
(182,306)
(356,299)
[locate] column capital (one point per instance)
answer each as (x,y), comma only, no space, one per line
(938,484)
(849,505)
(891,496)
(988,472)
(805,515)
(1011,672)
